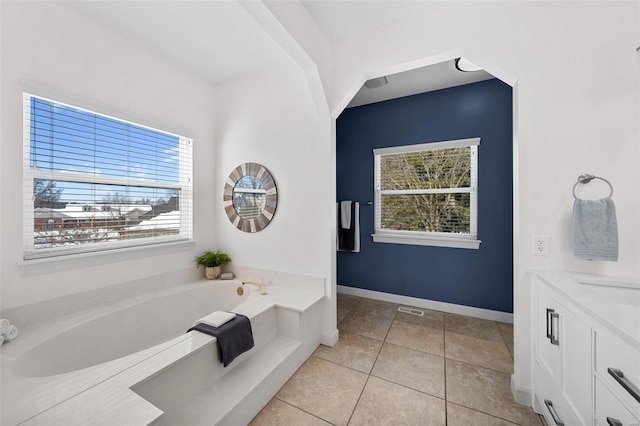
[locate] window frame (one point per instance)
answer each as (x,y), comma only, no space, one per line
(426,238)
(184,186)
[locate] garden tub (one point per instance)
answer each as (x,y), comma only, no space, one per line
(127,330)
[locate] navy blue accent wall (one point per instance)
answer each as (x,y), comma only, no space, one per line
(480,278)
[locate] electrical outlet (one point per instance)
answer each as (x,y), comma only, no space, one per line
(541,245)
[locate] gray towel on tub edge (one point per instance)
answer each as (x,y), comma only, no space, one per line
(234,337)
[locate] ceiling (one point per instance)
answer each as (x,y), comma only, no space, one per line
(420,80)
(216,40)
(220,41)
(340,20)
(343,19)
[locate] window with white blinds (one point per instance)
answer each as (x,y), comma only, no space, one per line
(94,182)
(427,194)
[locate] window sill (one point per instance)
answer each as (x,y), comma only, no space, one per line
(83,260)
(420,240)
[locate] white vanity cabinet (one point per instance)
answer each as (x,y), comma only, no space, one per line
(586,369)
(563,361)
(617,373)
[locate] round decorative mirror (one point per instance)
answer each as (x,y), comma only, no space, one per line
(250,197)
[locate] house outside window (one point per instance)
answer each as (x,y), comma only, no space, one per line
(93,182)
(426,194)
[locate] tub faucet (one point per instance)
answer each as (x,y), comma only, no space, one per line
(261,286)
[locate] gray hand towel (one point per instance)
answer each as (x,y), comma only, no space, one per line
(234,337)
(595,230)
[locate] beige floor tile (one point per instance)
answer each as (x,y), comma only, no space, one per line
(407,371)
(278,413)
(347,301)
(476,327)
(434,319)
(353,351)
(374,324)
(342,313)
(367,305)
(507,334)
(417,337)
(486,390)
(482,352)
(458,415)
(324,389)
(409,367)
(385,403)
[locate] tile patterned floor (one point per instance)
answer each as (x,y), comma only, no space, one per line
(393,368)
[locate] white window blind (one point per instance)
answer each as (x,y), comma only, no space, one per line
(94,182)
(427,191)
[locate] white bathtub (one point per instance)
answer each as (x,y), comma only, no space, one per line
(102,365)
(127,330)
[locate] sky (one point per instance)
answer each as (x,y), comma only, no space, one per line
(87,147)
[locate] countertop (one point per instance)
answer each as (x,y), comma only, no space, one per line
(615,302)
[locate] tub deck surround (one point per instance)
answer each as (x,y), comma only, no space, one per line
(103,393)
(282,279)
(44,311)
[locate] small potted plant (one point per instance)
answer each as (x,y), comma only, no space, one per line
(212,261)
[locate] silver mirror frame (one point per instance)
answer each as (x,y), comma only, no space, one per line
(269,210)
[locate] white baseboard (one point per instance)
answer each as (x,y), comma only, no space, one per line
(521,395)
(329,339)
(429,304)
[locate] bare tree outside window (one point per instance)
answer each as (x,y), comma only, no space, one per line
(46,193)
(435,169)
(427,189)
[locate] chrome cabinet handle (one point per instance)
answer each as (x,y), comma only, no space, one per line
(624,382)
(555,339)
(552,411)
(549,326)
(613,422)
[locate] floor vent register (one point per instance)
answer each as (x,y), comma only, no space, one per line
(411,311)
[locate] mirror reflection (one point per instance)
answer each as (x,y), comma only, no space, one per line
(249,197)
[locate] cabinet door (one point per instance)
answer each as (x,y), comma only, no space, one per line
(574,339)
(564,354)
(548,355)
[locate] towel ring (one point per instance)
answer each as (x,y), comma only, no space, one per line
(586,178)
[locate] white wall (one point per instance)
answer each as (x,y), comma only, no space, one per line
(301,27)
(56,48)
(291,26)
(577,111)
(576,68)
(271,119)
